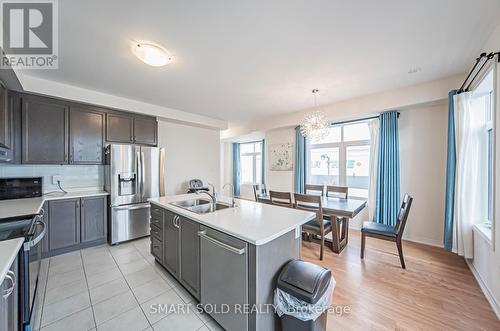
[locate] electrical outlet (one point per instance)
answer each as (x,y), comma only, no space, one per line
(55,179)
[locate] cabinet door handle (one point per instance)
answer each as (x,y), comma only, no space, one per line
(176,221)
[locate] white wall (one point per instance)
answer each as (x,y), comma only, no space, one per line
(423,139)
(279,180)
(226,166)
(190,152)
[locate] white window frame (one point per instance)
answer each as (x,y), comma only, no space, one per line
(342,146)
(490,127)
(255,164)
(489,234)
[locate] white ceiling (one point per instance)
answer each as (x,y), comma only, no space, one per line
(243,60)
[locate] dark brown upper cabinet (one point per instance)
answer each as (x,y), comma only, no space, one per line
(86,135)
(44,131)
(145,130)
(5,120)
(129,128)
(119,127)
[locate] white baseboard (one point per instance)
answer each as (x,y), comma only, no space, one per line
(491,299)
(425,241)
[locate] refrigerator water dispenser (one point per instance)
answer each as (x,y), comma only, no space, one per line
(127,184)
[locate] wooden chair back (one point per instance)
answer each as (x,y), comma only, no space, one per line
(337,191)
(259,190)
(310,203)
(315,189)
(403,214)
(281,198)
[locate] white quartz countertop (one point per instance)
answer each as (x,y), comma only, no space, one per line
(8,253)
(253,222)
(31,206)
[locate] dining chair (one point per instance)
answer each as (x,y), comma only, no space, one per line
(388,232)
(318,226)
(341,223)
(337,191)
(259,190)
(314,189)
(283,199)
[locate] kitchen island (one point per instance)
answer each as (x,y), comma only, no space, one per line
(229,258)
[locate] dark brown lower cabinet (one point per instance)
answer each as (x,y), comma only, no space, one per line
(72,223)
(64,223)
(171,242)
(189,252)
(177,247)
(93,218)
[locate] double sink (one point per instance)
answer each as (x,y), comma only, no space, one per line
(200,206)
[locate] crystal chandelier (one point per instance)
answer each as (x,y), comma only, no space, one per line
(315,125)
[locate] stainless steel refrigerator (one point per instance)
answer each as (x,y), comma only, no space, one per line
(133,174)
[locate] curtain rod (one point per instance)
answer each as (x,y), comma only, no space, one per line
(482,56)
(357,120)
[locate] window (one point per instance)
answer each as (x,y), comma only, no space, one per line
(483,117)
(251,163)
(342,158)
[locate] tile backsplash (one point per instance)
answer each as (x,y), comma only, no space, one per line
(72,176)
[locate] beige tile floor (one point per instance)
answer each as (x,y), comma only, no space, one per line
(113,288)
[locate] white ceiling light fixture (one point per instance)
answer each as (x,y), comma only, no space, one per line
(315,125)
(152,54)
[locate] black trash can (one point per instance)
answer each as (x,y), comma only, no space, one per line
(303,295)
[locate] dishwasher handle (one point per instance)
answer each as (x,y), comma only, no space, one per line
(133,206)
(203,235)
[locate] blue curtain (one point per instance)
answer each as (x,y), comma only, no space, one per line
(387,194)
(300,161)
(263,169)
(236,169)
(450,175)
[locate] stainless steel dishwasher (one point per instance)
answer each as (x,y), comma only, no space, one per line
(224,277)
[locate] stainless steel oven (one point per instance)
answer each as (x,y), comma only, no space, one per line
(33,278)
(32,229)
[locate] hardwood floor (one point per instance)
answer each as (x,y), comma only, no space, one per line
(437,291)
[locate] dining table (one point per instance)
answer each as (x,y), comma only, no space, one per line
(339,211)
